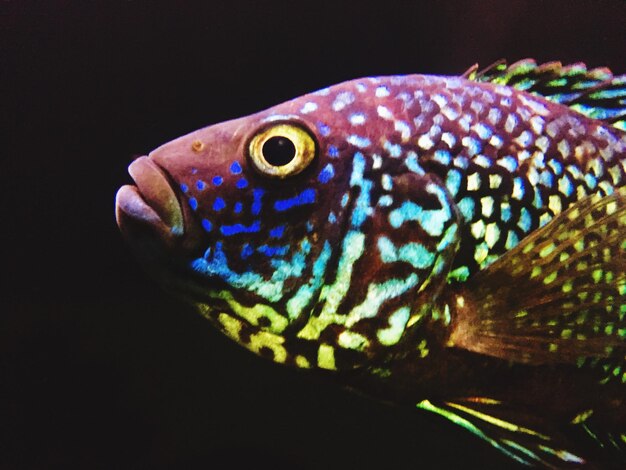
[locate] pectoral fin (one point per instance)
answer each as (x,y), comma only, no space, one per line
(558,297)
(528,439)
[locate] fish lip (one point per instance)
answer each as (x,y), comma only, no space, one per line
(152,202)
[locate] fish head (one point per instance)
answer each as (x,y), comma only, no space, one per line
(273,225)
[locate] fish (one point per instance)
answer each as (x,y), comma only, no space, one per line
(449,244)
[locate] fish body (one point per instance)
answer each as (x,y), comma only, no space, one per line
(454,244)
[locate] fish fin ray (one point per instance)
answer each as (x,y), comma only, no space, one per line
(528,439)
(595,93)
(557,297)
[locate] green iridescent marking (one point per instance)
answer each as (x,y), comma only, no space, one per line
(377,294)
(306,292)
(326,357)
(459,274)
(253,314)
(466,206)
(352,340)
(545,251)
(231,325)
(265,340)
(271,290)
(480,253)
(302,362)
(283,270)
(432,221)
(492,234)
(422,347)
(397,324)
(486,206)
(511,240)
(550,277)
(448,237)
(478,229)
(415,254)
(596,275)
(333,295)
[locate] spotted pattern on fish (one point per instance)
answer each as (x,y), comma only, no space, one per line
(398,219)
(487,164)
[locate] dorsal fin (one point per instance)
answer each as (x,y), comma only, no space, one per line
(595,93)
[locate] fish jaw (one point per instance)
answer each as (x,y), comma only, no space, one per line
(159,228)
(152,202)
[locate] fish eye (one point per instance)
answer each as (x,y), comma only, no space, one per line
(282,150)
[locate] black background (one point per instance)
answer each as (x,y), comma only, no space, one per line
(100,369)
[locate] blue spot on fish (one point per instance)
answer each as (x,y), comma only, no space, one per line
(277,232)
(323,129)
(466,206)
(235,168)
(525,220)
(473,146)
(546,179)
(217,180)
(508,162)
(305,197)
(453,182)
(556,166)
(238,207)
(362,207)
(395,150)
(207,225)
(200,185)
(442,156)
(184,188)
(432,221)
(411,164)
(219,204)
(505,213)
(193,203)
(229,230)
(273,250)
(257,194)
(246,251)
(326,174)
(358,141)
(332,151)
(242,183)
(591,181)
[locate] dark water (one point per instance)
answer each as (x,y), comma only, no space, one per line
(98,368)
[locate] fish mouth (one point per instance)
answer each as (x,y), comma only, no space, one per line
(152,205)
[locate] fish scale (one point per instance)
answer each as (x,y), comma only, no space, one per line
(451,243)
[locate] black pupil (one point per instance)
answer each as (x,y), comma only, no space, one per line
(279,151)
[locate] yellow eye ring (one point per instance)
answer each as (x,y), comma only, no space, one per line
(282,150)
